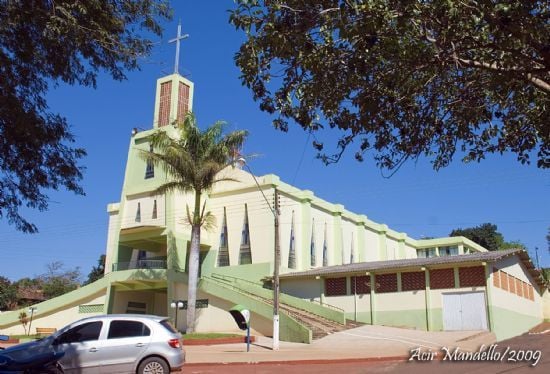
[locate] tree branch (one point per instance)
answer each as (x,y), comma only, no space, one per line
(540,83)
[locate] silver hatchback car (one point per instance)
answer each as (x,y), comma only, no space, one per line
(114,343)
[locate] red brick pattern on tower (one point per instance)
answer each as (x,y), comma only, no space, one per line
(164,103)
(183,101)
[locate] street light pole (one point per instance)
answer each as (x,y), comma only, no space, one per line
(276,265)
(277,257)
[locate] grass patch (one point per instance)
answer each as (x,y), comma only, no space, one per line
(209,335)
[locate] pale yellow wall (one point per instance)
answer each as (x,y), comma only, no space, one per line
(511,266)
(347,229)
(507,300)
(322,218)
(309,289)
(392,249)
(260,220)
(392,301)
(111,236)
(288,205)
(160,307)
(59,319)
(410,252)
(372,243)
(146,208)
(123,297)
(216,317)
(546,304)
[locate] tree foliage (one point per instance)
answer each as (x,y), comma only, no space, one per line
(488,237)
(98,271)
(8,294)
(42,43)
(192,161)
(58,281)
(403,79)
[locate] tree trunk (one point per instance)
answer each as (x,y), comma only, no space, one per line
(193,265)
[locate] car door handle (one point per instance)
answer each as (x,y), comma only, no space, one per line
(140,345)
(93,349)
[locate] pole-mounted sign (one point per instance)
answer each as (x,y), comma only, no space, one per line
(241,315)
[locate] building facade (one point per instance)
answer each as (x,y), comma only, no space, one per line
(335,264)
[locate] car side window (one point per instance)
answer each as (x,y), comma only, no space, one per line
(81,333)
(127,329)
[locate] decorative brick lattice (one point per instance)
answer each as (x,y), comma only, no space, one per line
(164,104)
(413,281)
(386,283)
(472,276)
(511,284)
(525,290)
(360,285)
(335,286)
(183,101)
(519,288)
(496,277)
(504,281)
(442,278)
(531,293)
(91,308)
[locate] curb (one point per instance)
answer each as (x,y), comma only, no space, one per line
(303,362)
(215,341)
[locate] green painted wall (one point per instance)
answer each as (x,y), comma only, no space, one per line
(509,323)
(363,317)
(403,318)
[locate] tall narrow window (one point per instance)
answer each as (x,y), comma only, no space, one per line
(223,251)
(150,169)
(138,213)
(164,104)
(351,255)
(245,254)
(313,261)
(154,215)
(325,249)
(292,247)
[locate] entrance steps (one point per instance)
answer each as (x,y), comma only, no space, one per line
(321,320)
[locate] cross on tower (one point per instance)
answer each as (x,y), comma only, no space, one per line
(177,40)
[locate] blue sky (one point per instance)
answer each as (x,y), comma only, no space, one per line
(417,200)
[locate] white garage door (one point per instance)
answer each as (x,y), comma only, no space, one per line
(464,311)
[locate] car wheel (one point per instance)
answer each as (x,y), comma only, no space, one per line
(153,365)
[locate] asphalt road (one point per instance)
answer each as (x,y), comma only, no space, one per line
(524,343)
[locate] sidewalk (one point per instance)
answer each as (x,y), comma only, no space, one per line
(365,343)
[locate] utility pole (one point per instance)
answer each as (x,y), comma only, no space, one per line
(537,256)
(277,263)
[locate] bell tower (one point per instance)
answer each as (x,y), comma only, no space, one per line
(174,94)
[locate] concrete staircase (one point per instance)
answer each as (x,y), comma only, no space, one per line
(319,325)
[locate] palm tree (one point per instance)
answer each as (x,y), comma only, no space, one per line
(192,162)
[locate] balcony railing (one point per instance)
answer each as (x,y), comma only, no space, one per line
(140,264)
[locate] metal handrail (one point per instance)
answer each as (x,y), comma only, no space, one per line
(140,264)
(223,276)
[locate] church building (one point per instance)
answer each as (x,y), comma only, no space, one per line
(338,268)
